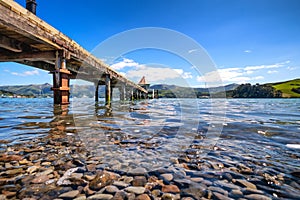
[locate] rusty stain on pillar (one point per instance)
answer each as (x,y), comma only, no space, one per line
(107,89)
(61,81)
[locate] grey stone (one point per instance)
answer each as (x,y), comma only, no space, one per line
(100,197)
(136,190)
(70,194)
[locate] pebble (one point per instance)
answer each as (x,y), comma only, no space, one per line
(32,169)
(100,197)
(170,189)
(70,194)
(136,190)
(101,180)
(120,184)
(246,183)
(139,181)
(111,189)
(40,179)
(257,197)
(137,171)
(168,177)
(221,196)
(143,197)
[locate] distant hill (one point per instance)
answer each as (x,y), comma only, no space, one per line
(29,90)
(289,89)
(173,91)
(44,90)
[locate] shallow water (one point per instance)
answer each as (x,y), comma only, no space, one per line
(261,135)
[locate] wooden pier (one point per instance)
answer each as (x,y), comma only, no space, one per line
(27,39)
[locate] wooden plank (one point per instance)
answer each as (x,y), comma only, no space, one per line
(30,56)
(10,44)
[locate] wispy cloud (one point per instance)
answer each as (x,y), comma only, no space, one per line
(125,63)
(257,67)
(26,73)
(240,75)
(192,50)
(155,74)
(248,51)
(272,72)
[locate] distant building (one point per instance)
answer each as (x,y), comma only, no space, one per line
(143,83)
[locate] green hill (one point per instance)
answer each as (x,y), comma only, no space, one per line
(289,89)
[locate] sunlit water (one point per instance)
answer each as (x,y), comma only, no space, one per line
(152,133)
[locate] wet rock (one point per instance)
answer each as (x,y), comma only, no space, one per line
(136,190)
(128,179)
(236,193)
(167,177)
(100,197)
(257,197)
(64,179)
(218,189)
(221,196)
(120,184)
(40,179)
(46,163)
(101,180)
(137,172)
(46,172)
(80,198)
(70,194)
(14,171)
(251,191)
(156,193)
(120,195)
(111,189)
(245,183)
(2,197)
(168,196)
(139,181)
(143,197)
(170,189)
(8,158)
(226,185)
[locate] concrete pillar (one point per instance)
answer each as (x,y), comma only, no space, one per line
(153,94)
(61,81)
(107,89)
(132,95)
(122,92)
(96,91)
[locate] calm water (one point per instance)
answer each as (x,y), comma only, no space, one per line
(263,134)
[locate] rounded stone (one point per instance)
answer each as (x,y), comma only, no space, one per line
(136,190)
(70,194)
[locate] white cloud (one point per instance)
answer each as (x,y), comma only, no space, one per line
(258,67)
(192,50)
(227,75)
(272,72)
(291,68)
(247,51)
(26,73)
(183,74)
(124,63)
(157,74)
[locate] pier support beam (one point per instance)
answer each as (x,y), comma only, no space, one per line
(61,82)
(96,91)
(107,89)
(122,92)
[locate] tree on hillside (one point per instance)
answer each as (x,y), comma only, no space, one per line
(256,91)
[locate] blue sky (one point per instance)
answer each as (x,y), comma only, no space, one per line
(256,41)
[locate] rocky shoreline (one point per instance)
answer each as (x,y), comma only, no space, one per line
(58,166)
